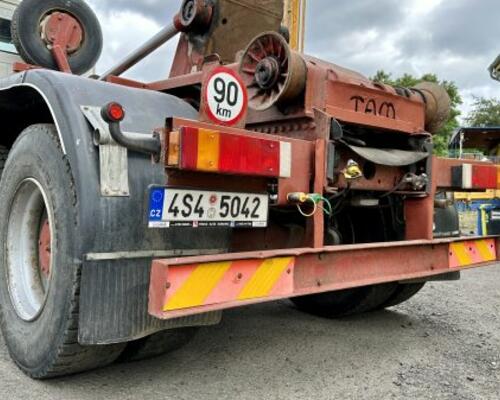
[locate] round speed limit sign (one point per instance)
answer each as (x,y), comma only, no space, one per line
(226,96)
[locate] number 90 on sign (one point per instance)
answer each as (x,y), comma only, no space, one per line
(226,97)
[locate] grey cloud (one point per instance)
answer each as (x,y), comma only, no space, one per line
(456,40)
(462,27)
(328,22)
(160,11)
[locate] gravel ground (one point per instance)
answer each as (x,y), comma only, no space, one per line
(443,344)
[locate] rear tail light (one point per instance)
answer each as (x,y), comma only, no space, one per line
(209,150)
(475,177)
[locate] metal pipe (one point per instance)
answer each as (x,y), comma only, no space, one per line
(135,142)
(142,52)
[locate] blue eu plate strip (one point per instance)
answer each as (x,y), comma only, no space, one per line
(156,201)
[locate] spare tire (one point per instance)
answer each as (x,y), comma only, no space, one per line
(34,49)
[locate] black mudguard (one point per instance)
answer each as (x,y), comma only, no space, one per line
(114,293)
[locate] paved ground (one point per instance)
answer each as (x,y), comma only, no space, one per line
(444,344)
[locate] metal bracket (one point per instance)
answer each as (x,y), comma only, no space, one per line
(113,158)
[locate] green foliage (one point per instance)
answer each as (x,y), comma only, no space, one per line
(442,137)
(485,112)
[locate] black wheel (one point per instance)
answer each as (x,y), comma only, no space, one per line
(345,302)
(39,277)
(404,292)
(158,344)
(33,26)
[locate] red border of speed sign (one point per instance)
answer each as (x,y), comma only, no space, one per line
(235,75)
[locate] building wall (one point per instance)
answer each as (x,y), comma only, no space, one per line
(8,54)
(7,8)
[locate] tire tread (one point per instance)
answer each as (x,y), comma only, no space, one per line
(403,293)
(70,357)
(4,153)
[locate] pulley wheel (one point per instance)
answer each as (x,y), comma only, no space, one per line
(271,71)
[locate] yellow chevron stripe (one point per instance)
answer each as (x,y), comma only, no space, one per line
(487,253)
(265,278)
(198,286)
(460,251)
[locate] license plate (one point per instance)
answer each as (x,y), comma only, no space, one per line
(170,208)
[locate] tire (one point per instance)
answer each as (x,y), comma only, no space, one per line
(346,302)
(404,292)
(4,153)
(25,30)
(38,311)
(158,344)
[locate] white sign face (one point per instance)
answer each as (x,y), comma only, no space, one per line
(226,97)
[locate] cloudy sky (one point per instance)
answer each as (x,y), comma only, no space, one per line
(456,39)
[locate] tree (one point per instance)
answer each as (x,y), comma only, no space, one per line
(485,112)
(442,137)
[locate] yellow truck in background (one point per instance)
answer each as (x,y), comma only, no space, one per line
(479,211)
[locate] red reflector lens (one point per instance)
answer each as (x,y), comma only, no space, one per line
(249,156)
(484,177)
(115,112)
(480,177)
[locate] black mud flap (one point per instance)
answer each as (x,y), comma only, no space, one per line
(114,304)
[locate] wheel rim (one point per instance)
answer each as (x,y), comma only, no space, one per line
(29,249)
(59,27)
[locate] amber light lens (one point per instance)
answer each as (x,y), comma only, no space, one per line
(173,155)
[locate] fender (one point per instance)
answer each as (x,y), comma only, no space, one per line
(115,246)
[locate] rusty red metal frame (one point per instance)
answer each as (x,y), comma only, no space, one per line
(309,175)
(443,169)
(21,67)
(343,94)
(303,156)
(327,269)
(419,212)
(332,92)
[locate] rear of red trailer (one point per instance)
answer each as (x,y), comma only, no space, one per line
(134,212)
